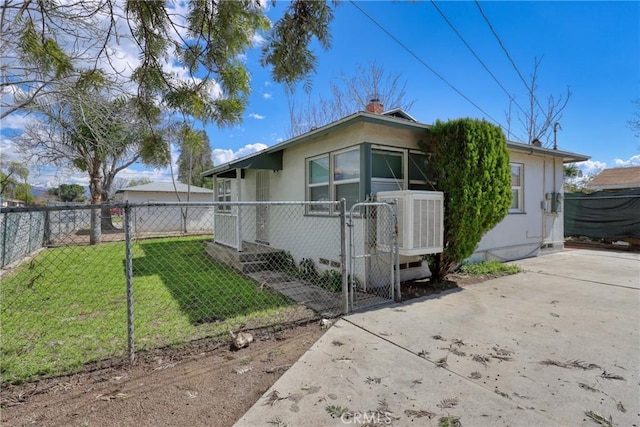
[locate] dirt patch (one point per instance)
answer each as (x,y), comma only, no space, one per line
(425,287)
(203,383)
(200,386)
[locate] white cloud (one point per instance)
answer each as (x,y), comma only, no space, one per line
(591,167)
(221,156)
(256,116)
(257,39)
(267,95)
(10,151)
(15,121)
(267,83)
(631,161)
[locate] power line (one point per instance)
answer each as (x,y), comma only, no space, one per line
(425,64)
(504,49)
(455,30)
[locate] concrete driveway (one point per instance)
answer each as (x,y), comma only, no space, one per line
(556,345)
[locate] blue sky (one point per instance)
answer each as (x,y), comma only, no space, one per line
(591,47)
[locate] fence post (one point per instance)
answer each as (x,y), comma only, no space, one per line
(47,229)
(396,252)
(4,238)
(129,275)
(30,232)
(239,229)
(343,256)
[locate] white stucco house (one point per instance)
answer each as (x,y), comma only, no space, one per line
(372,151)
(168,218)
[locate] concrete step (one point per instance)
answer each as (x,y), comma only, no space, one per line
(254,266)
(257,256)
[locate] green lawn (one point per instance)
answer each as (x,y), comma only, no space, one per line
(68,306)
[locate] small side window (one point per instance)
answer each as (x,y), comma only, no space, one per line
(517,203)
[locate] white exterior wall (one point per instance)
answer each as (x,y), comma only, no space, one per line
(519,235)
(314,236)
(522,235)
(168,218)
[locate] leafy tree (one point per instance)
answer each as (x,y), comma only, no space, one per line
(574,180)
(349,94)
(195,157)
(138,181)
(23,192)
(190,54)
(70,193)
(10,176)
(571,171)
(471,166)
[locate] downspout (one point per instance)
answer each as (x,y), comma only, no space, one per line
(544,203)
(554,201)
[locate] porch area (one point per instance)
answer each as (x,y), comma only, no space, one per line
(274,269)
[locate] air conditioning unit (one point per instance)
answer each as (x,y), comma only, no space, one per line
(420,220)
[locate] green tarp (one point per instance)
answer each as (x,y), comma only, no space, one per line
(603,215)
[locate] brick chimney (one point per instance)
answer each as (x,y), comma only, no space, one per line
(374,106)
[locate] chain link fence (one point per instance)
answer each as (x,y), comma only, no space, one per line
(164,274)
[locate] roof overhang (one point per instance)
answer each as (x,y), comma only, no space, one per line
(261,160)
(566,156)
(271,158)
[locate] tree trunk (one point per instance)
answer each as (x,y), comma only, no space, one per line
(95,188)
(442,266)
(106,222)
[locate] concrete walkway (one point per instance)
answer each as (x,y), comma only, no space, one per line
(556,345)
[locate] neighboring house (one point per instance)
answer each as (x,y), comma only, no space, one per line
(616,179)
(365,153)
(5,202)
(168,218)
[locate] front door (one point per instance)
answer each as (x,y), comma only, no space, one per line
(262,211)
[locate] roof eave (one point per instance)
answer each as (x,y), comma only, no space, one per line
(566,156)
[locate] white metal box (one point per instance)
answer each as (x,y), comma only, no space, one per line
(420,220)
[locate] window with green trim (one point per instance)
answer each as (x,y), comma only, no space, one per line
(346,176)
(387,170)
(318,182)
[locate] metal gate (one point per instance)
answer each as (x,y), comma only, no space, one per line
(262,209)
(373,255)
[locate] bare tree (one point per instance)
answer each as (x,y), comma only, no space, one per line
(350,94)
(634,123)
(538,122)
(84,127)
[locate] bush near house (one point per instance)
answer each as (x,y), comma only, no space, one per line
(470,164)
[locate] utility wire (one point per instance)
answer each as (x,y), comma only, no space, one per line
(504,49)
(425,64)
(455,30)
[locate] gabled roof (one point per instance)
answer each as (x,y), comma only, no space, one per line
(616,178)
(271,158)
(399,112)
(165,187)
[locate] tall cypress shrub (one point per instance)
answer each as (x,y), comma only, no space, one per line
(470,162)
